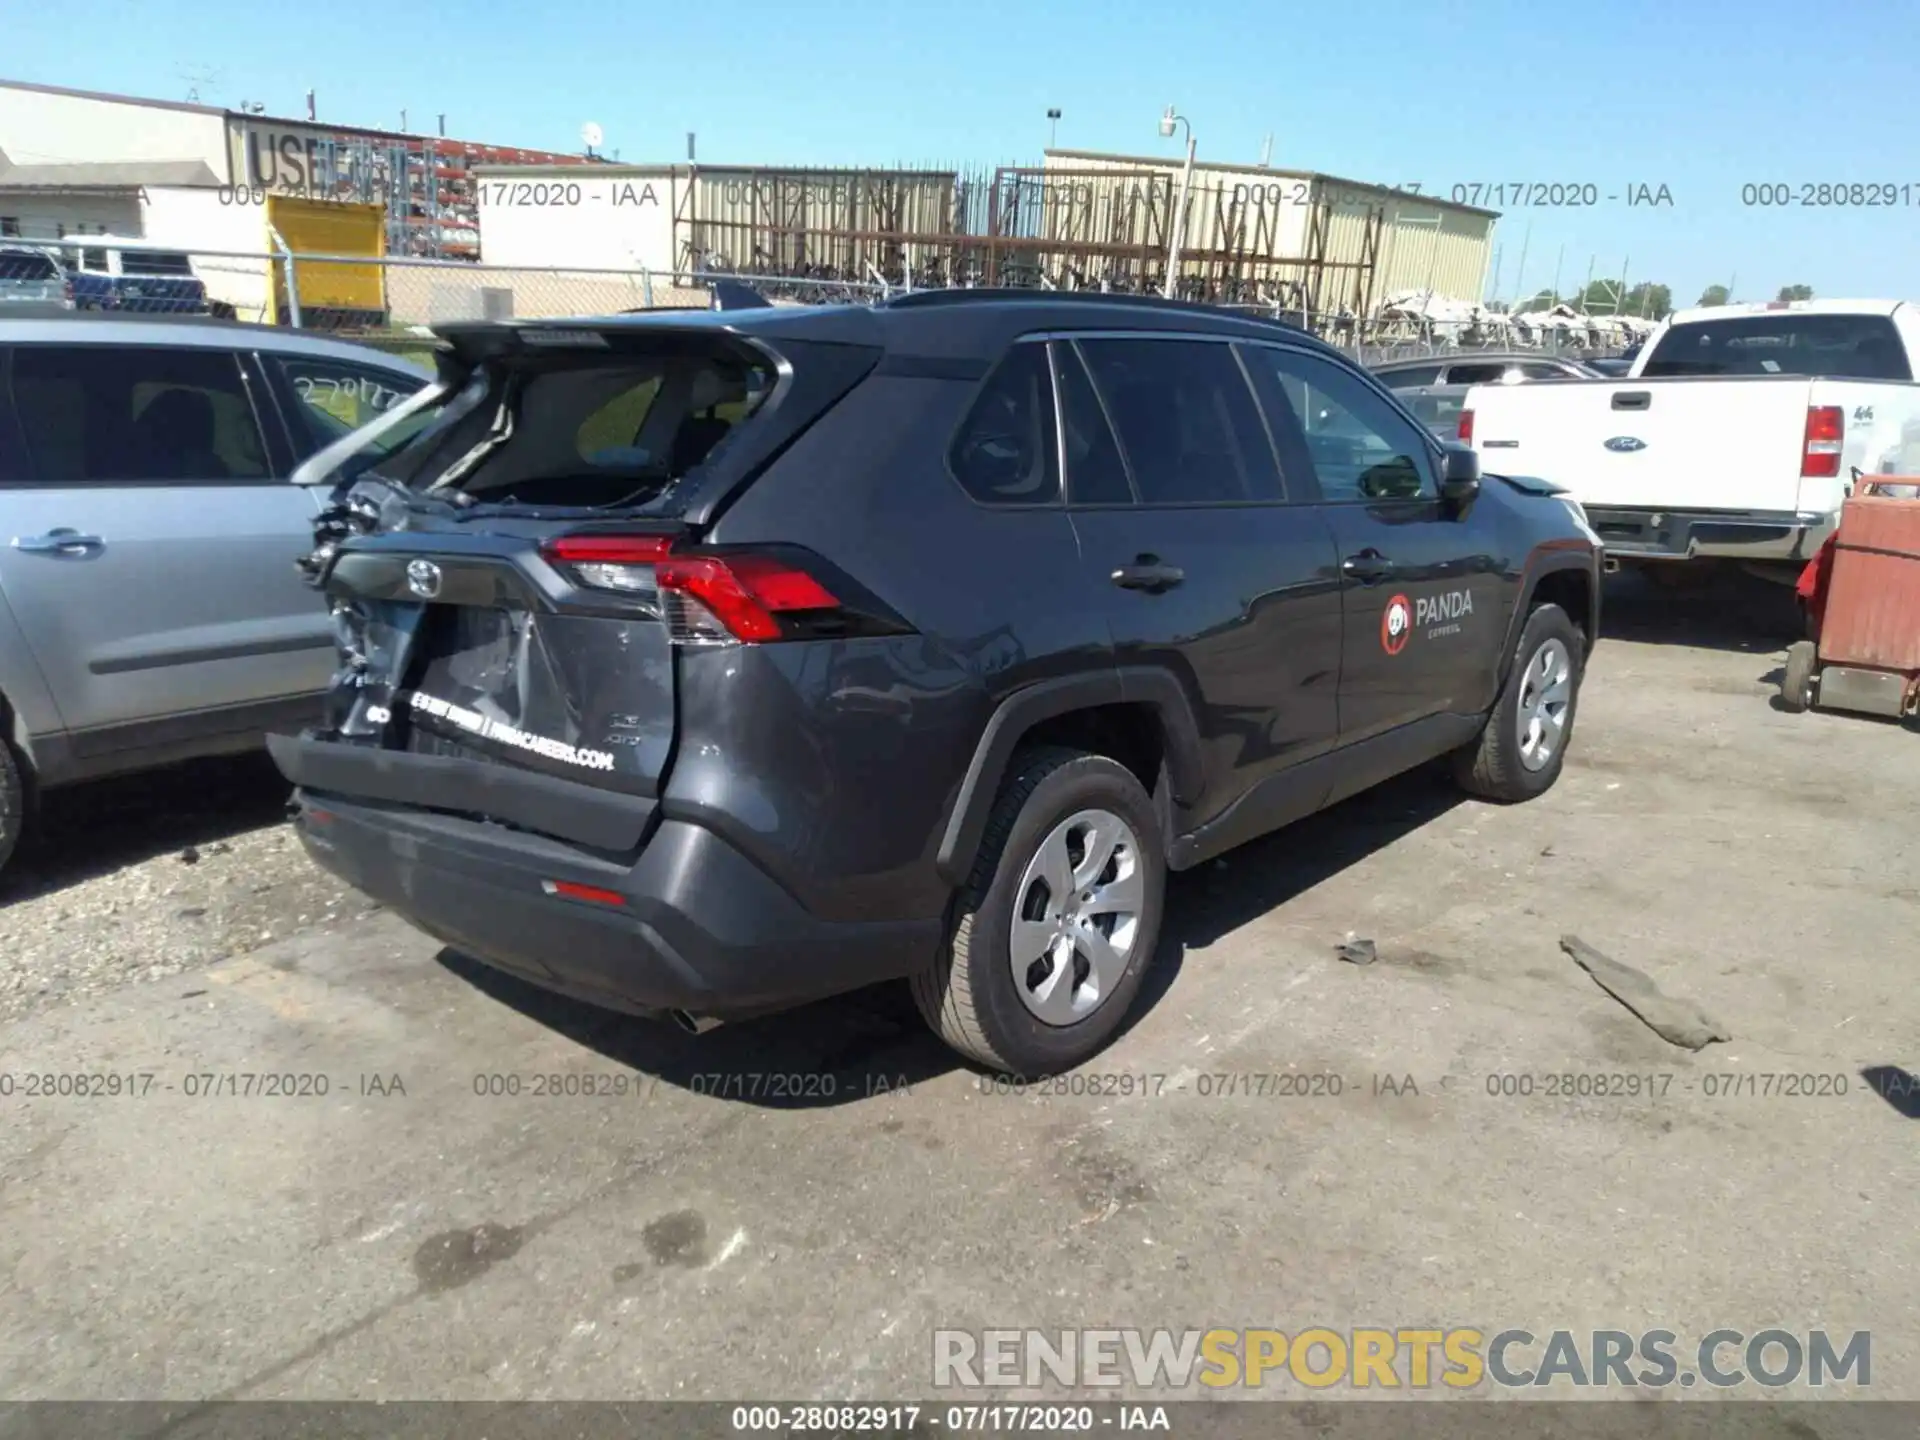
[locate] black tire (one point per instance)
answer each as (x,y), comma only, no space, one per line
(13,801)
(1493,767)
(968,994)
(1796,677)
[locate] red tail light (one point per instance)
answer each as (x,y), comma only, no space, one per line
(744,593)
(1826,436)
(706,599)
(1465,433)
(591,894)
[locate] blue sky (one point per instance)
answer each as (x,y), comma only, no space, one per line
(1698,96)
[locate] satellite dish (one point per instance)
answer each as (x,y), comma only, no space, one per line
(591,135)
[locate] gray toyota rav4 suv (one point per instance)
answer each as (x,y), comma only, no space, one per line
(706,663)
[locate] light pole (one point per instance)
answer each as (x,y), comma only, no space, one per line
(1053,127)
(1167,123)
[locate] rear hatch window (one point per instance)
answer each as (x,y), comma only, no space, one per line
(1850,347)
(155,262)
(603,431)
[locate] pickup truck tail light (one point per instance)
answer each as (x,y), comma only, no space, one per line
(1465,432)
(1826,435)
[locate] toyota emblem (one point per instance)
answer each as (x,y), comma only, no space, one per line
(423,578)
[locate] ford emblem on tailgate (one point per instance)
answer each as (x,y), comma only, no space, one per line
(423,578)
(1624,443)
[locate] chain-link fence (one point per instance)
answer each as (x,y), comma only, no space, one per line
(395,301)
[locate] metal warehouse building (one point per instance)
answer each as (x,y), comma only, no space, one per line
(775,220)
(1349,244)
(68,149)
(1252,234)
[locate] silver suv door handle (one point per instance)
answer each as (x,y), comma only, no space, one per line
(58,542)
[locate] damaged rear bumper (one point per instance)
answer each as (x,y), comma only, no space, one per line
(690,925)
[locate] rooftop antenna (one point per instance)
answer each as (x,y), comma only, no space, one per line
(310,112)
(1266,151)
(591,136)
(690,147)
(199,77)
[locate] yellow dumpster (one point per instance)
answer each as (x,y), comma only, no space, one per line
(333,295)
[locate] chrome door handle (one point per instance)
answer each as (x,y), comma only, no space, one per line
(1367,567)
(1148,574)
(58,542)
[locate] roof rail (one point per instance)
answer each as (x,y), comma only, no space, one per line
(920,299)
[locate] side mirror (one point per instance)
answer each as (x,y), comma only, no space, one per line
(1459,475)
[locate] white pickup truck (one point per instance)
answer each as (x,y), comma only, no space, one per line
(1737,433)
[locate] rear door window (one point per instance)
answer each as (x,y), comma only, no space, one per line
(1007,450)
(1189,427)
(109,414)
(333,398)
(1096,475)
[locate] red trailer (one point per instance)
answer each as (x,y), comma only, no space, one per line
(1862,594)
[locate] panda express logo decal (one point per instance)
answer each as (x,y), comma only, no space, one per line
(1396,625)
(1438,615)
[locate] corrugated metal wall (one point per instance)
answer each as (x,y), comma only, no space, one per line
(1431,247)
(1252,236)
(799,221)
(1349,258)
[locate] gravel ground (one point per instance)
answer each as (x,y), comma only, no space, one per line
(137,879)
(487,1192)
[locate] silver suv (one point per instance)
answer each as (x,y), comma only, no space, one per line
(150,610)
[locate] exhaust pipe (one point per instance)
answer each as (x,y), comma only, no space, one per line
(693,1024)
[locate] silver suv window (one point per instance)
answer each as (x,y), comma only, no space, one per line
(114,414)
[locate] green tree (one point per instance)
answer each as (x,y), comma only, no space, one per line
(1541,300)
(1795,292)
(1714,295)
(1655,302)
(1601,297)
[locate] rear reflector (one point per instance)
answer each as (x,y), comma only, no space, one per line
(1465,433)
(607,549)
(592,894)
(1825,438)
